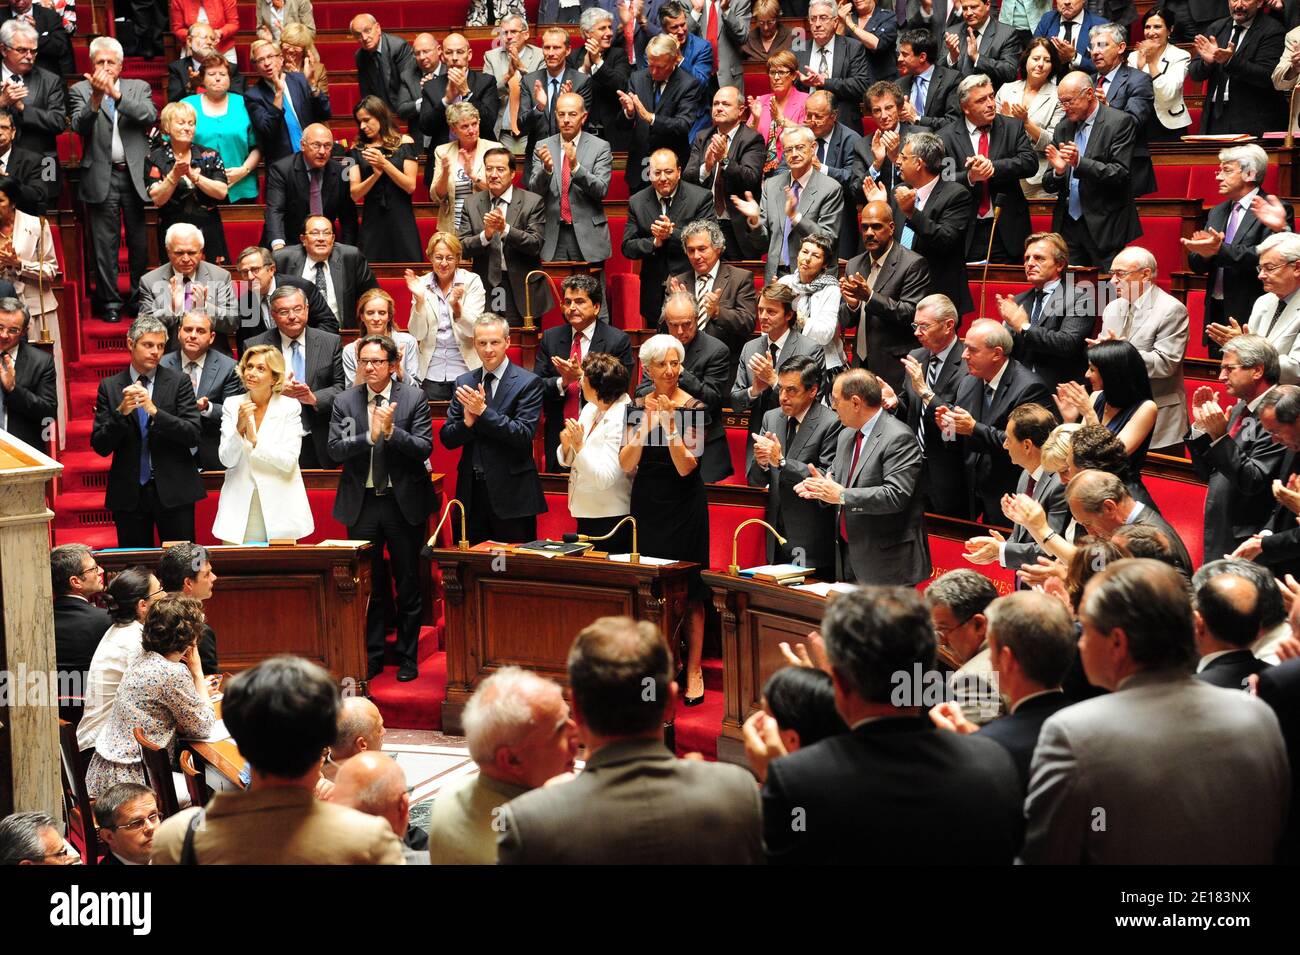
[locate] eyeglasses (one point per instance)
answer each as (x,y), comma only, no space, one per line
(89,570)
(1124,273)
(67,852)
(1270,269)
(372,361)
(136,825)
(779,73)
(942,633)
(290,310)
(252,270)
(22,50)
(319,233)
(157,593)
(1230,368)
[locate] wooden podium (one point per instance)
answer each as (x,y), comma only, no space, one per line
(504,608)
(756,617)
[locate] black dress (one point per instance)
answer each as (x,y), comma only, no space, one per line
(188,203)
(671,511)
(1135,460)
(388,230)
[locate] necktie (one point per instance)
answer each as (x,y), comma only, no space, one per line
(701,289)
(663,208)
(785,245)
(110,107)
(314,204)
(571,393)
(986,202)
(988,403)
(320,280)
(378,455)
(497,261)
(555,92)
(1221,94)
(791,429)
(629,39)
(1036,306)
(821,151)
(489,386)
(142,422)
(1234,220)
(566,176)
(711,31)
(1277,313)
(773,352)
(192,369)
(1075,206)
(1030,485)
(848,479)
(931,376)
(659,92)
(381,65)
(822,64)
(188,297)
(918,95)
(1069,32)
(477,448)
(1101,85)
(296,360)
(719,190)
(908,236)
(1240,422)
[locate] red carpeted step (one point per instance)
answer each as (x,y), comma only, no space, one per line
(83,471)
(416,705)
(78,434)
(81,398)
(94,537)
(94,367)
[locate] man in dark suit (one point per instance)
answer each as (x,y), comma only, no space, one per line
(982,44)
(385,67)
(1279,550)
(281,105)
(1235,58)
(1068,27)
(502,230)
(185,75)
(801,432)
(309,183)
(663,103)
(876,156)
(1090,161)
(725,297)
(605,61)
(313,362)
(107,109)
(704,377)
(1050,323)
(562,349)
(256,267)
(1226,249)
(864,784)
(212,375)
(147,421)
(835,147)
(836,64)
(381,433)
(458,83)
(339,271)
(727,160)
(757,388)
(1232,452)
(929,87)
(1128,89)
(539,90)
(1279,687)
(881,289)
(38,102)
(493,417)
(24,167)
(1227,619)
(28,390)
(1102,504)
(995,386)
(185,570)
(653,234)
(991,154)
(53,42)
(78,624)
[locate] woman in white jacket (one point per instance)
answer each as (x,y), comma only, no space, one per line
(263,497)
(816,289)
(445,304)
(1166,64)
(600,491)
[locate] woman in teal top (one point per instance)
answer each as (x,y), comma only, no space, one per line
(224,125)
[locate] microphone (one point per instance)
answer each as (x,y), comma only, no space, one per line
(988,253)
(634,557)
(574,538)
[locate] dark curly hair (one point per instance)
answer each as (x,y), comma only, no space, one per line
(173,623)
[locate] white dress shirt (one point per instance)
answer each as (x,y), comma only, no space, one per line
(309,273)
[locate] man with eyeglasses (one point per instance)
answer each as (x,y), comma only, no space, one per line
(258,278)
(338,271)
(78,623)
(54,53)
(127,816)
(33,838)
(186,283)
(37,101)
(386,67)
(836,64)
(958,601)
(513,57)
(281,105)
(1275,314)
(727,159)
(311,182)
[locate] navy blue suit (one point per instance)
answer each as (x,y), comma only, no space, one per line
(839,165)
(1131,91)
(1050,27)
(1018,731)
(270,123)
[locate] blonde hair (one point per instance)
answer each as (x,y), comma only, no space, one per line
(458,111)
(373,293)
(274,362)
(449,239)
(1056,449)
(171,111)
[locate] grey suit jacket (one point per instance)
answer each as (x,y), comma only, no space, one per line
(537,122)
(135,115)
(156,298)
(587,188)
(686,813)
(999,52)
(526,216)
(821,204)
(758,407)
(809,526)
(1157,325)
(1149,774)
(883,505)
(217,382)
(1021,548)
(732,33)
(496,63)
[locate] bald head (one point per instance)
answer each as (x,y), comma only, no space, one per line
(365,30)
(374,784)
(361,729)
(455,51)
(877,227)
(1227,613)
(427,52)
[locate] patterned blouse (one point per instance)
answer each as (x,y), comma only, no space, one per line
(157,695)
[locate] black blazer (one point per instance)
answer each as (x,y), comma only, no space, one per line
(999,51)
(1054,347)
(840,164)
(536,123)
(679,107)
(406,452)
(941,104)
(179,85)
(940,238)
(171,434)
(53,42)
(269,122)
(849,79)
(557,342)
(883,60)
(44,114)
(323,365)
(218,381)
(1238,259)
(1151,517)
(288,200)
(943,476)
(526,216)
(1253,106)
(689,203)
(737,309)
(989,471)
(1013,159)
(742,171)
(872,797)
(1231,670)
(25,167)
(607,120)
(1104,173)
(1130,90)
(502,440)
(1018,731)
(350,275)
(253,323)
(903,281)
(433,111)
(1279,687)
(887,175)
(704,376)
(78,627)
(33,405)
(401,90)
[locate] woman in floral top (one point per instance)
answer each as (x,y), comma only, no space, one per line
(163,692)
(187,181)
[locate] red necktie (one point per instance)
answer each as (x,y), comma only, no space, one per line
(711,31)
(566,176)
(848,479)
(985,202)
(1101,85)
(1239,423)
(1030,486)
(629,39)
(571,393)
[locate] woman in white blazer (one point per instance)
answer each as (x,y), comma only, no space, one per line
(1166,64)
(600,491)
(458,165)
(1032,100)
(817,301)
(263,497)
(445,304)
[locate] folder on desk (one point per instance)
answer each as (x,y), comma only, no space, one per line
(550,548)
(777,573)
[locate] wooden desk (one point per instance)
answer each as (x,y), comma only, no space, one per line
(504,608)
(306,600)
(220,762)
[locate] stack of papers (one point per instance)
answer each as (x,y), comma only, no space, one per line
(825,590)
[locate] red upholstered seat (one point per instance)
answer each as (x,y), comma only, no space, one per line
(444,461)
(737,444)
(1196,312)
(240,235)
(1182,504)
(1160,235)
(322,508)
(69,147)
(1171,182)
(1203,185)
(617,262)
(557,521)
(723,521)
(946,555)
(396,287)
(624,290)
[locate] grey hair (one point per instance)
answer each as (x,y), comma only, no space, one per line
(106,43)
(1251,350)
(1093,488)
(828,4)
(263,253)
(1286,244)
(144,325)
(1113,30)
(66,561)
(592,16)
(964,592)
(182,230)
(504,710)
(355,719)
(970,84)
(192,313)
(517,17)
(941,305)
(716,238)
(382,793)
(20,835)
(663,43)
(1249,157)
(10,304)
(109,802)
(656,349)
(492,319)
(12,29)
(284,291)
(798,131)
(1142,258)
(1272,611)
(994,333)
(928,148)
